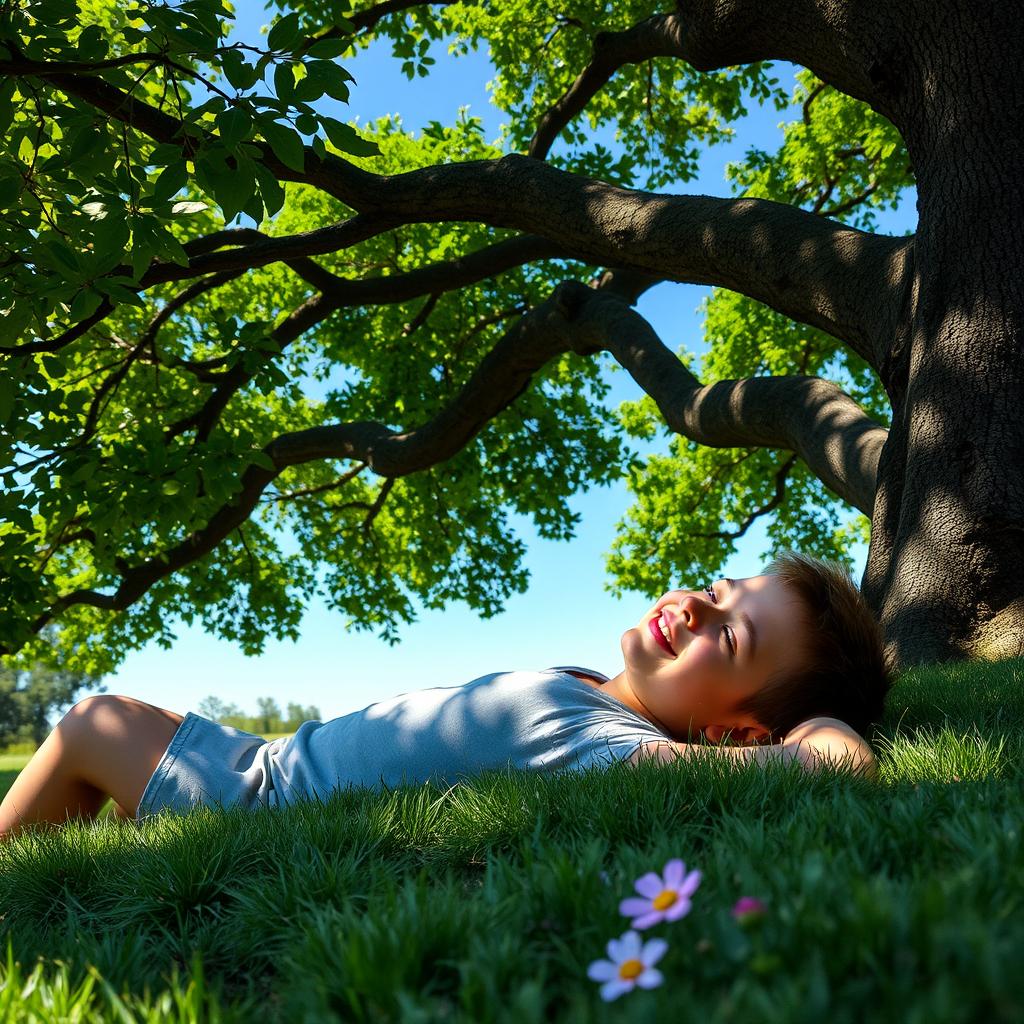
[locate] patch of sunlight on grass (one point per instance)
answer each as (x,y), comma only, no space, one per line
(940,755)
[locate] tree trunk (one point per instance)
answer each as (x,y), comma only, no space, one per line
(946,559)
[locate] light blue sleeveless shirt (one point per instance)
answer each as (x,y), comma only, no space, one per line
(546,721)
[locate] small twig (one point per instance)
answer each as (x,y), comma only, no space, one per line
(425,310)
(810,99)
(378,503)
(850,203)
(333,485)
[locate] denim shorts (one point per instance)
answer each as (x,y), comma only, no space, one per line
(209,763)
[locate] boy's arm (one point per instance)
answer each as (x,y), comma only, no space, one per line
(811,743)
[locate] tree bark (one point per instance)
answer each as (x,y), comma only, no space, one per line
(946,559)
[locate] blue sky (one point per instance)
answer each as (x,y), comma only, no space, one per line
(566,616)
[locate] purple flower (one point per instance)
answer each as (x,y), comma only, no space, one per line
(664,899)
(631,963)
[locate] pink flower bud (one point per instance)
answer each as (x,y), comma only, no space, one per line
(747,907)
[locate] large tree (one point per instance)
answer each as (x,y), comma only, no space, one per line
(188,230)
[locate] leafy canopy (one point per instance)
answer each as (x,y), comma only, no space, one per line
(116,442)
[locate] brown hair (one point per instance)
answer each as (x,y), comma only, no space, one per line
(846,673)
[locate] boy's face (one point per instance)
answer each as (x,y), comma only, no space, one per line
(721,648)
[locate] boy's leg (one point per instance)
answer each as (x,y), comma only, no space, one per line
(106,745)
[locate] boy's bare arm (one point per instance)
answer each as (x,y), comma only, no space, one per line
(812,743)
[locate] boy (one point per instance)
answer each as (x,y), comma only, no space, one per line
(789,664)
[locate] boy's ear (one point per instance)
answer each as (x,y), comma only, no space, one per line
(740,735)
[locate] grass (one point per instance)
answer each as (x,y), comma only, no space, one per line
(896,900)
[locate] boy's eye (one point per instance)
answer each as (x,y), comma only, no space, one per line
(730,639)
(730,636)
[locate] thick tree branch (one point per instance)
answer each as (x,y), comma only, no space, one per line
(856,50)
(806,415)
(849,283)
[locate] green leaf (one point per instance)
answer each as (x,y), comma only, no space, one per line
(188,206)
(253,207)
(286,144)
(116,291)
(231,188)
(84,304)
(8,87)
(171,181)
(14,321)
(307,90)
(91,46)
(330,78)
(284,82)
(53,365)
(271,190)
(169,247)
(63,256)
(329,48)
(234,125)
(240,74)
(285,33)
(344,137)
(170,487)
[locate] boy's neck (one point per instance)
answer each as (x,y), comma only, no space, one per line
(619,688)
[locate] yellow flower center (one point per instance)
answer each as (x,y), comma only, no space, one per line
(665,899)
(629,969)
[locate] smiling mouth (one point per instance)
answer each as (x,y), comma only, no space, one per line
(655,626)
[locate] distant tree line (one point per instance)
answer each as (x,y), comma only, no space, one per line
(268,717)
(30,696)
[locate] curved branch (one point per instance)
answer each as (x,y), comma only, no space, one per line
(148,338)
(656,36)
(73,333)
(307,492)
(815,419)
(445,276)
(769,506)
(289,249)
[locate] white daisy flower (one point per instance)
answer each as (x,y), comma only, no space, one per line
(631,963)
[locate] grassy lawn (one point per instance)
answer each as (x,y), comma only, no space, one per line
(897,899)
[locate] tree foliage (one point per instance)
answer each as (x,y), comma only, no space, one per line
(182,250)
